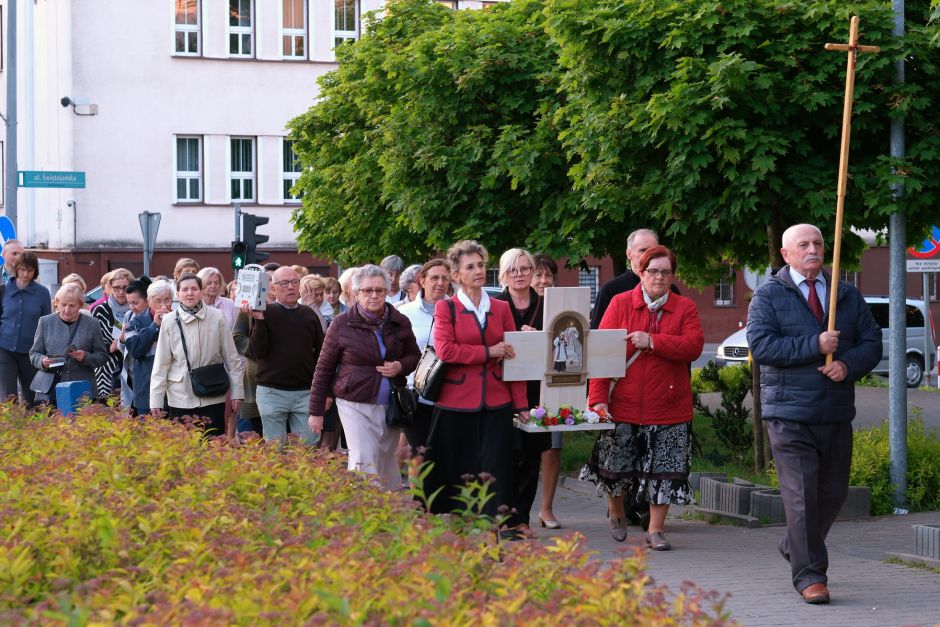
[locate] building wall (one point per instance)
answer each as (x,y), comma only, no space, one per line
(119,56)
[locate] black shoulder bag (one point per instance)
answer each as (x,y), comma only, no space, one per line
(207,381)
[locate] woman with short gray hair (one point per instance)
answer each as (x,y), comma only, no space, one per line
(409,284)
(394,265)
(366,350)
(68,344)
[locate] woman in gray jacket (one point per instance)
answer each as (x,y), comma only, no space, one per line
(68,343)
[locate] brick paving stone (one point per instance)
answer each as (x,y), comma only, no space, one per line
(745,564)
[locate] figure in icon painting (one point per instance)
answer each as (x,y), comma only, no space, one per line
(567,350)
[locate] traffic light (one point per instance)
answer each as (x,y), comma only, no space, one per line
(250,224)
(239,255)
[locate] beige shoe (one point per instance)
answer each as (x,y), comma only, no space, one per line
(618,529)
(657,541)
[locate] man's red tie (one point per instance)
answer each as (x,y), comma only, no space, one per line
(814,305)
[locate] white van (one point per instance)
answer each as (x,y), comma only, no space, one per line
(735,350)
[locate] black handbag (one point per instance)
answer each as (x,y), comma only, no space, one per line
(430,371)
(402,406)
(207,381)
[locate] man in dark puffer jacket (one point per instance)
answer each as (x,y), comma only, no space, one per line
(809,406)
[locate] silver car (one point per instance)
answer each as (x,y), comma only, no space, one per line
(735,349)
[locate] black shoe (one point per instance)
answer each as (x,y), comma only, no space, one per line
(511,535)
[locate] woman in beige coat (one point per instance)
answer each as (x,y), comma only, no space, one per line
(208,341)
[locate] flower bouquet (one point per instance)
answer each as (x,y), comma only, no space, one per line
(566,418)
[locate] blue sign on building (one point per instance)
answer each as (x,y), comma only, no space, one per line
(49,178)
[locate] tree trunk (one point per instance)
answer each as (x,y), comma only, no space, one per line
(759,459)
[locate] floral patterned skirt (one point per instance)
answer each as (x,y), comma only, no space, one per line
(644,463)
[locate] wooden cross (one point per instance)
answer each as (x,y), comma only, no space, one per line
(852,48)
(567,351)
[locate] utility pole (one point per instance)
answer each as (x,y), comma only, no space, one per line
(12,178)
(897,290)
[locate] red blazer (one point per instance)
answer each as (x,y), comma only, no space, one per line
(472,379)
(657,389)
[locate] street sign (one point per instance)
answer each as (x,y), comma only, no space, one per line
(49,178)
(926,257)
(149,226)
(7,232)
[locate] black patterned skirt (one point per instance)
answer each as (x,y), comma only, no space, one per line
(644,463)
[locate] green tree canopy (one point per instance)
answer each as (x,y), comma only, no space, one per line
(561,125)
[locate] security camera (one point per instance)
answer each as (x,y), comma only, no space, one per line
(66,101)
(70,202)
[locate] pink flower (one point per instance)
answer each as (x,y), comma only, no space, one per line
(538,412)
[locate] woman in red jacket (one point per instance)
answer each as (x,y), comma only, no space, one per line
(473,434)
(650,450)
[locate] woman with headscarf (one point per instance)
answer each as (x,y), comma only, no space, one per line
(23,301)
(366,350)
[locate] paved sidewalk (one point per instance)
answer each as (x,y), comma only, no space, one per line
(745,563)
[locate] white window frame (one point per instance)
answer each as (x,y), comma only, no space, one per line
(590,278)
(243,176)
(187,30)
(241,31)
(724,290)
(343,35)
(293,34)
(187,176)
(289,173)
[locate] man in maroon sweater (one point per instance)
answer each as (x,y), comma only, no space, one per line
(285,340)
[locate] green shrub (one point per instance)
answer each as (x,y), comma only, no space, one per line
(731,421)
(871,466)
(108,519)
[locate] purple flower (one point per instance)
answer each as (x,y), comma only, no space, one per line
(569,420)
(538,412)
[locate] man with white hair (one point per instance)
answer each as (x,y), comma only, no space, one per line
(809,405)
(12,249)
(285,341)
(638,242)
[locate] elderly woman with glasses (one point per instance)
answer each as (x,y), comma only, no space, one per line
(110,315)
(650,450)
(366,349)
(516,267)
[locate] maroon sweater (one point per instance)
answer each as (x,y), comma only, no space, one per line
(286,345)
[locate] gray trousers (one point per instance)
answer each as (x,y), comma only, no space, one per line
(813,463)
(13,367)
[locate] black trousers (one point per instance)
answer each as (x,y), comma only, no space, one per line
(417,433)
(471,443)
(16,367)
(214,413)
(813,463)
(527,460)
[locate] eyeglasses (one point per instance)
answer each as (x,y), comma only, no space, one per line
(524,270)
(119,288)
(292,282)
(657,272)
(372,291)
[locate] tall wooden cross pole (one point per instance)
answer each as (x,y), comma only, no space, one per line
(852,48)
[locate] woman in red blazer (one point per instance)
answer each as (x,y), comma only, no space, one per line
(473,433)
(647,456)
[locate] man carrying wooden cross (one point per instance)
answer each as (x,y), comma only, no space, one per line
(808,404)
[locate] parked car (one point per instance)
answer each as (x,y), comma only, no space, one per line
(735,349)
